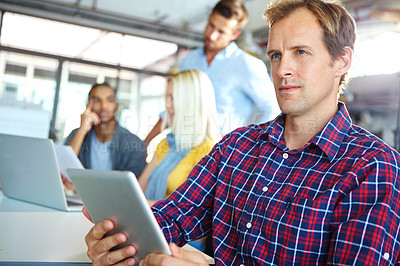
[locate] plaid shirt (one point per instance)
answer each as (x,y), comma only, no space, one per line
(335,201)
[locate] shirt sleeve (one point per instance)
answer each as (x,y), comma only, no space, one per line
(186,214)
(70,136)
(366,221)
(180,173)
(202,150)
(261,92)
(187,62)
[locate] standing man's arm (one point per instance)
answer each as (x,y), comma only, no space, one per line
(262,93)
(88,119)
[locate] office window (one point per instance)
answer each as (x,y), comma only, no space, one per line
(15,69)
(112,57)
(69,40)
(26,97)
(376,55)
(44,73)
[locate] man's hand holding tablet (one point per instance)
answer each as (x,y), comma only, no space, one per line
(99,249)
(126,230)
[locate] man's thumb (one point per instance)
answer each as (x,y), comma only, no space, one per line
(175,250)
(190,256)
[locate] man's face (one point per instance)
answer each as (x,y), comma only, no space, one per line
(304,75)
(104,103)
(219,32)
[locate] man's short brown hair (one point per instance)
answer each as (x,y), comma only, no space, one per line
(232,9)
(338,27)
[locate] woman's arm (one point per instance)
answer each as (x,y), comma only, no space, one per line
(144,177)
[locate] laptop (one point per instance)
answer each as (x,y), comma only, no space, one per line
(29,172)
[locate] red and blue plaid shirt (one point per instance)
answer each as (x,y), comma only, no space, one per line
(335,201)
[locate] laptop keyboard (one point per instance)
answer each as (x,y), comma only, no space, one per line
(74,200)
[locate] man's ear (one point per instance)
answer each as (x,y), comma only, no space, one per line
(344,61)
(235,35)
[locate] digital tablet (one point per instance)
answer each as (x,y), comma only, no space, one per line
(116,195)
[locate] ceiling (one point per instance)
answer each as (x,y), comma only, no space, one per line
(178,21)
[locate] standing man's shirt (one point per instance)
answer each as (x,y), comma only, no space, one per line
(335,201)
(240,81)
(128,152)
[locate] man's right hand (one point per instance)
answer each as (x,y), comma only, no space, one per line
(100,254)
(99,246)
(89,118)
(67,183)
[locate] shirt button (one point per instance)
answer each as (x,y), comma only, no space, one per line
(285,155)
(386,256)
(248,225)
(264,189)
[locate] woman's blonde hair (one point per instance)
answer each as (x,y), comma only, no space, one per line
(195,115)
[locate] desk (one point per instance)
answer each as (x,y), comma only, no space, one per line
(31,233)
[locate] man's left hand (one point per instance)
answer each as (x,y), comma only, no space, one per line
(180,257)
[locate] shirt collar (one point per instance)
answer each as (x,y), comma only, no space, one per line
(230,49)
(328,139)
(227,51)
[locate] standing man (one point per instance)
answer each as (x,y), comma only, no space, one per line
(100,142)
(308,188)
(241,81)
(244,93)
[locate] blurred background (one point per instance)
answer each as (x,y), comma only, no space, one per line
(51,52)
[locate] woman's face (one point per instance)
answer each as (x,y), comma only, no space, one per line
(169,101)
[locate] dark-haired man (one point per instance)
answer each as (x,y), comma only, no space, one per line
(100,142)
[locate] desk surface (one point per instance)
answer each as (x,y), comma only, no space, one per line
(32,233)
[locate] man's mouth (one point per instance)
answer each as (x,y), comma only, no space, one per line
(288,88)
(208,42)
(104,114)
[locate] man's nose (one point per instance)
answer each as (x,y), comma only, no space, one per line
(214,35)
(285,69)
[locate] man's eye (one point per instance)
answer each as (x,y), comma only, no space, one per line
(275,56)
(301,52)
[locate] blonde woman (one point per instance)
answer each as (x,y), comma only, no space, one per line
(191,118)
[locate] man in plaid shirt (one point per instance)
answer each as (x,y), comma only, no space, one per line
(306,188)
